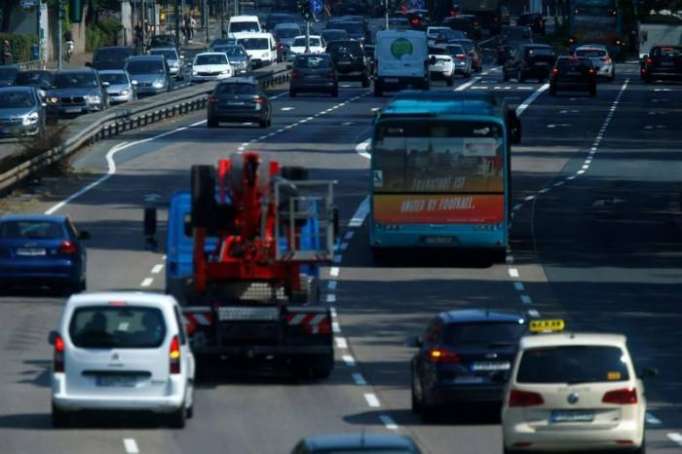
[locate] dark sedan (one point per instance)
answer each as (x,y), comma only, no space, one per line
(464,356)
(664,62)
(529,61)
(77,91)
(106,58)
(313,73)
(22,112)
(573,73)
(356,443)
(238,99)
(40,250)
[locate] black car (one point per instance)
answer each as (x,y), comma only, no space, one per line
(356,443)
(77,91)
(111,57)
(511,37)
(349,60)
(8,74)
(464,356)
(356,29)
(238,99)
(313,73)
(529,61)
(38,78)
(162,41)
(533,20)
(573,73)
(664,62)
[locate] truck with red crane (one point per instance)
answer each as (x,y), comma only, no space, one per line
(244,248)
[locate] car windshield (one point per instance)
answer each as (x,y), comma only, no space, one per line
(30,78)
(120,326)
(483,333)
(214,59)
(145,67)
(236,89)
(313,61)
(169,54)
(8,74)
(231,51)
(255,43)
(31,230)
(114,78)
(590,53)
(573,364)
(75,80)
(312,42)
(241,27)
(287,32)
(455,50)
(345,47)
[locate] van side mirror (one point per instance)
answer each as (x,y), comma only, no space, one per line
(52,337)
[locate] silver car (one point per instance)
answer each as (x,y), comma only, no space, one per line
(22,112)
(239,59)
(77,91)
(173,59)
(120,88)
(150,72)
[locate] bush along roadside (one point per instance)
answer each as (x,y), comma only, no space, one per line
(103,33)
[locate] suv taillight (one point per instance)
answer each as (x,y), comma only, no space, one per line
(58,361)
(625,396)
(67,247)
(174,355)
(460,56)
(442,356)
(649,61)
(518,398)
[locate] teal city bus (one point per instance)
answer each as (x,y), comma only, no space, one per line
(441,172)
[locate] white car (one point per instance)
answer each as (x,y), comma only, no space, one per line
(211,66)
(122,351)
(261,47)
(602,61)
(315,43)
(442,66)
(573,392)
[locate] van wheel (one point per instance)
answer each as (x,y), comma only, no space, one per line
(365,80)
(178,418)
(60,418)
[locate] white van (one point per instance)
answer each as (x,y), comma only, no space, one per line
(122,351)
(401,58)
(244,24)
(261,47)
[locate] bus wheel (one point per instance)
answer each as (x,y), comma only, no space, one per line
(498,255)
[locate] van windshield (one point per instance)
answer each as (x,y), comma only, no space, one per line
(255,43)
(240,27)
(117,327)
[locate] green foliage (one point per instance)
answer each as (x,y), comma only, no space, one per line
(103,33)
(21,46)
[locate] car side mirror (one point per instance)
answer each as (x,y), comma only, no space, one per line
(88,64)
(414,342)
(52,337)
(648,372)
(83,235)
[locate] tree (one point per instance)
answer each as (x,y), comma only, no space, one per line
(7,8)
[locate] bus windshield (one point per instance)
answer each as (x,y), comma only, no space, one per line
(445,157)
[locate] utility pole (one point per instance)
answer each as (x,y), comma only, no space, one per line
(236,7)
(60,32)
(143,13)
(307,36)
(204,18)
(177,25)
(222,18)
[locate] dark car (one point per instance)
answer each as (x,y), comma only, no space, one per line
(533,20)
(510,37)
(369,56)
(162,41)
(22,112)
(573,73)
(664,62)
(356,29)
(38,78)
(8,74)
(313,73)
(111,57)
(77,91)
(334,34)
(150,73)
(464,356)
(238,99)
(349,60)
(356,443)
(529,61)
(237,56)
(42,250)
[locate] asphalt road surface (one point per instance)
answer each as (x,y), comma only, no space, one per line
(595,239)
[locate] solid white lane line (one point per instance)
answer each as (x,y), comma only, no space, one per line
(349,360)
(360,214)
(157,268)
(388,422)
(468,84)
(651,419)
(372,400)
(334,271)
(331,298)
(675,437)
(513,273)
(530,99)
(130,446)
(287,109)
(147,282)
(525,299)
(519,286)
(359,379)
(341,342)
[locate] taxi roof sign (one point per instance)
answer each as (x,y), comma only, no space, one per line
(546,326)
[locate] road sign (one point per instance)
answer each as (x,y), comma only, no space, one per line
(316,6)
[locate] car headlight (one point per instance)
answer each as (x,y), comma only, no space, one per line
(158,84)
(30,119)
(125,92)
(92,99)
(52,100)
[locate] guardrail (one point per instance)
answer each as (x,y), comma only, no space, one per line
(88,129)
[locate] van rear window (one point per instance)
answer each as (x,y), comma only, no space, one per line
(117,327)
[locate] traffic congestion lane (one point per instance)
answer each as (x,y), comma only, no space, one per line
(610,246)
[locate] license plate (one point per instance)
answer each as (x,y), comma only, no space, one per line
(491,366)
(542,63)
(391,80)
(559,416)
(72,109)
(439,240)
(344,63)
(236,103)
(122,381)
(31,252)
(466,380)
(667,63)
(248,313)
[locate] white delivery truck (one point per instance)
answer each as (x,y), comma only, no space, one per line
(401,58)
(656,34)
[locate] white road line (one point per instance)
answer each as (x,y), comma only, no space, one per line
(332,285)
(359,379)
(468,84)
(334,271)
(130,446)
(157,268)
(336,328)
(530,99)
(147,282)
(287,109)
(676,437)
(519,286)
(525,299)
(360,214)
(331,298)
(651,419)
(349,360)
(517,207)
(332,310)
(513,272)
(341,342)
(388,422)
(372,400)
(529,198)
(362,148)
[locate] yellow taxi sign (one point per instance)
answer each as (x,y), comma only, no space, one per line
(546,326)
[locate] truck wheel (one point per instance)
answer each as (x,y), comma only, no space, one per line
(203,195)
(309,293)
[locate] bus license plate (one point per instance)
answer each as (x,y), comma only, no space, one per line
(559,416)
(439,240)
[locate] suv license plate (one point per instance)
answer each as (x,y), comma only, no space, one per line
(491,366)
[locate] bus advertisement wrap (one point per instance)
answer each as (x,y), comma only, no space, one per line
(438,209)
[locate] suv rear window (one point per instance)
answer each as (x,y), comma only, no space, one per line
(483,333)
(313,61)
(572,364)
(117,327)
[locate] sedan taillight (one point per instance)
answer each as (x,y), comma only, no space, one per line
(67,247)
(174,355)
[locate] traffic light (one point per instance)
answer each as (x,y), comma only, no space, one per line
(304,8)
(75,11)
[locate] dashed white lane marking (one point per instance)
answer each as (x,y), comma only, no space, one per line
(513,273)
(349,360)
(388,422)
(157,268)
(359,379)
(333,312)
(468,84)
(336,328)
(360,214)
(343,246)
(130,446)
(525,299)
(146,282)
(334,271)
(332,285)
(341,343)
(331,298)
(675,437)
(519,286)
(651,419)
(372,400)
(509,259)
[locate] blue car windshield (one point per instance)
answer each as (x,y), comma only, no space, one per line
(31,230)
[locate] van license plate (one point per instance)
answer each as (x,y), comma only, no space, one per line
(559,416)
(122,381)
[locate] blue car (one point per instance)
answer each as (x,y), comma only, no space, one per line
(357,443)
(41,250)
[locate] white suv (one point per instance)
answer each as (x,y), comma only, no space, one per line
(122,351)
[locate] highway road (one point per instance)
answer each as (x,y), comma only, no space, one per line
(595,239)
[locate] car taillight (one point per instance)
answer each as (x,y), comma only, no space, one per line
(591,72)
(649,61)
(519,398)
(443,356)
(555,72)
(460,56)
(58,362)
(174,355)
(625,396)
(67,247)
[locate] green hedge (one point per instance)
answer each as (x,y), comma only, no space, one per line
(21,46)
(103,33)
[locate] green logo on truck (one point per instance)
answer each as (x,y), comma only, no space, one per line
(400,47)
